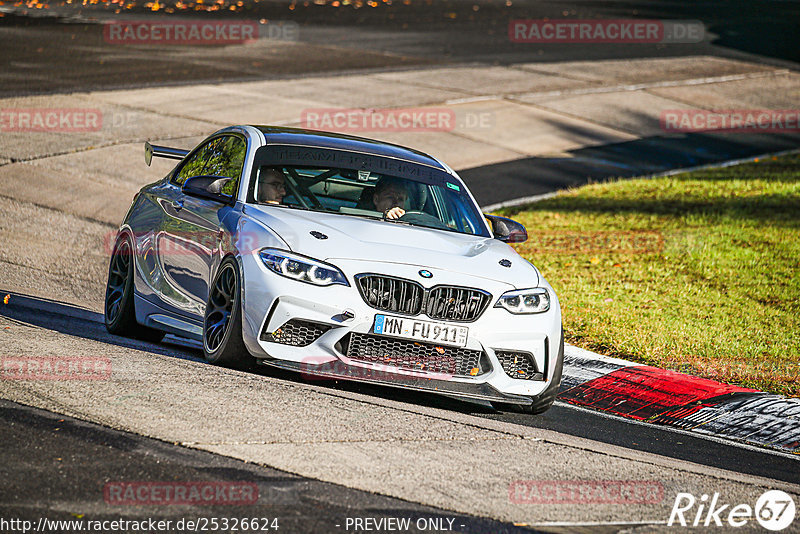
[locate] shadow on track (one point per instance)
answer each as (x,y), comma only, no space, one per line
(641,157)
(74,461)
(74,320)
(77,321)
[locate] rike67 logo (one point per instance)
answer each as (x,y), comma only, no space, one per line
(774,510)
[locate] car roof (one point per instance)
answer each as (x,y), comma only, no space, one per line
(278,135)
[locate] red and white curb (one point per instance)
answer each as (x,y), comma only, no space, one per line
(678,400)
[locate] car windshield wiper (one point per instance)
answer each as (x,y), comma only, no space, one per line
(377,218)
(296,207)
(284,206)
(363,216)
(417,225)
(397,221)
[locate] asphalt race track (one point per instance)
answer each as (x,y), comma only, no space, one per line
(81,458)
(298,504)
(562,418)
(320,453)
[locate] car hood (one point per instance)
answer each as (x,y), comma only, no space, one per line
(368,240)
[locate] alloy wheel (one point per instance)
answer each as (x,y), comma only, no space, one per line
(117,280)
(220,307)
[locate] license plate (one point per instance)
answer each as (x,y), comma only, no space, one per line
(428,331)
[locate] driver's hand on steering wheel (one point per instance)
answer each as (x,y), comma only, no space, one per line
(394,213)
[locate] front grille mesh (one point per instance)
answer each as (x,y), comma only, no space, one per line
(391,294)
(297,333)
(449,303)
(416,356)
(455,303)
(519,365)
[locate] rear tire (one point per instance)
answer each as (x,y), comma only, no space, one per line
(543,401)
(119,312)
(222,325)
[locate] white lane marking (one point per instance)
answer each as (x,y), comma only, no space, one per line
(581,366)
(654,85)
(386,440)
(470,99)
(518,201)
(519,96)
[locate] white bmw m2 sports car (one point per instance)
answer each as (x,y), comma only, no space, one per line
(338,257)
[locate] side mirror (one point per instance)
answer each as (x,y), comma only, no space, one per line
(208,187)
(507,230)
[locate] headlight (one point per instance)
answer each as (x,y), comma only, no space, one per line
(536,300)
(301,268)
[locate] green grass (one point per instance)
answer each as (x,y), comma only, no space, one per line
(708,283)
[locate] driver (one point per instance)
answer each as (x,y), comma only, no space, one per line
(388,197)
(271,186)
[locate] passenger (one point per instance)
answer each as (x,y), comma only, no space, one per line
(271,186)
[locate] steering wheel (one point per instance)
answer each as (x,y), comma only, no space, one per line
(423,219)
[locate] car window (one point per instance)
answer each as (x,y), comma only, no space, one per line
(222,156)
(226,158)
(195,164)
(444,206)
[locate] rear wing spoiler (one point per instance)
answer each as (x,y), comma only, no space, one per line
(162,152)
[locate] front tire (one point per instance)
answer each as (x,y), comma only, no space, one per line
(222,326)
(543,401)
(118,311)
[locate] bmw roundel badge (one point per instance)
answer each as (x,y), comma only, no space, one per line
(425,274)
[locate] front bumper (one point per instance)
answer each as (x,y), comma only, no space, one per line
(271,301)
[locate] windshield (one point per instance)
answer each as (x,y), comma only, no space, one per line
(361,193)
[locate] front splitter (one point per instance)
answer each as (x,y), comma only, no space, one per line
(338,370)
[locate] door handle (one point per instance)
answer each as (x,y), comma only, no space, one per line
(177,204)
